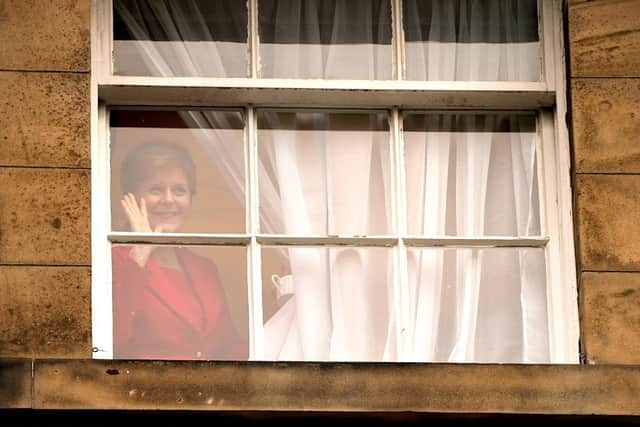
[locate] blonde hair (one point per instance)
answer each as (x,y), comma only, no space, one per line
(149,157)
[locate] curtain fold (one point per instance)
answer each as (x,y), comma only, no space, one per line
(329,174)
(325,39)
(491,40)
(474,175)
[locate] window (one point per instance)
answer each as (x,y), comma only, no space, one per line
(361,180)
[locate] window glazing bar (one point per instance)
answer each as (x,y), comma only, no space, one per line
(477,242)
(179,239)
(286,240)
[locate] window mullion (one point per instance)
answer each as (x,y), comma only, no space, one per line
(254,264)
(254,39)
(398,40)
(400,282)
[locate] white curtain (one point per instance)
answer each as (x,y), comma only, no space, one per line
(331,181)
(325,39)
(176,38)
(480,305)
(474,175)
(475,40)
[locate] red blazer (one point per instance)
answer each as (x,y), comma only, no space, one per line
(164,313)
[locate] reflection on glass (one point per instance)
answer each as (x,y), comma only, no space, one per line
(471,174)
(492,40)
(478,305)
(177,171)
(174,38)
(328,304)
(325,39)
(179,303)
(324,173)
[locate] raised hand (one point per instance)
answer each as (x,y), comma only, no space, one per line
(137,215)
(139,222)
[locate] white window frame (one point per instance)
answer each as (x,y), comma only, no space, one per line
(547,97)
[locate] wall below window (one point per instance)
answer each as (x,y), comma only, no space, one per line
(605,101)
(45,256)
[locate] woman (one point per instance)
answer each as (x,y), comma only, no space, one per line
(168,302)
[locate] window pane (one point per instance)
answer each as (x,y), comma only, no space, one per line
(324,173)
(328,304)
(325,39)
(490,40)
(180,303)
(199,38)
(471,174)
(478,305)
(187,167)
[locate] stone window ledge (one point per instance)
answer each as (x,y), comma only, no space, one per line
(331,387)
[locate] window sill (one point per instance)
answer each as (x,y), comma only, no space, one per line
(334,387)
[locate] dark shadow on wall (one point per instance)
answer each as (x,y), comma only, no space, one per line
(95,418)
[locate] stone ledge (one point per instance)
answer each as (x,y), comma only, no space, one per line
(337,387)
(15,383)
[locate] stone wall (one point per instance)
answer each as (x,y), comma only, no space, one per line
(605,105)
(45,251)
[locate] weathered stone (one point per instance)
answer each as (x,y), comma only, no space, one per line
(608,225)
(44,216)
(15,383)
(44,35)
(374,387)
(611,317)
(604,38)
(61,311)
(44,119)
(606,124)
(45,311)
(16,314)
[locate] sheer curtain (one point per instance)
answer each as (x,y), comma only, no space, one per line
(481,40)
(180,38)
(332,175)
(325,39)
(474,175)
(465,179)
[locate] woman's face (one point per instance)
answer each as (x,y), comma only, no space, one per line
(168,198)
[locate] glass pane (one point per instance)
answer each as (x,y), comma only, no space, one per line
(471,174)
(328,304)
(478,305)
(180,303)
(491,40)
(324,173)
(173,38)
(187,167)
(325,39)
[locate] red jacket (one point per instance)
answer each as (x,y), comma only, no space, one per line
(165,313)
